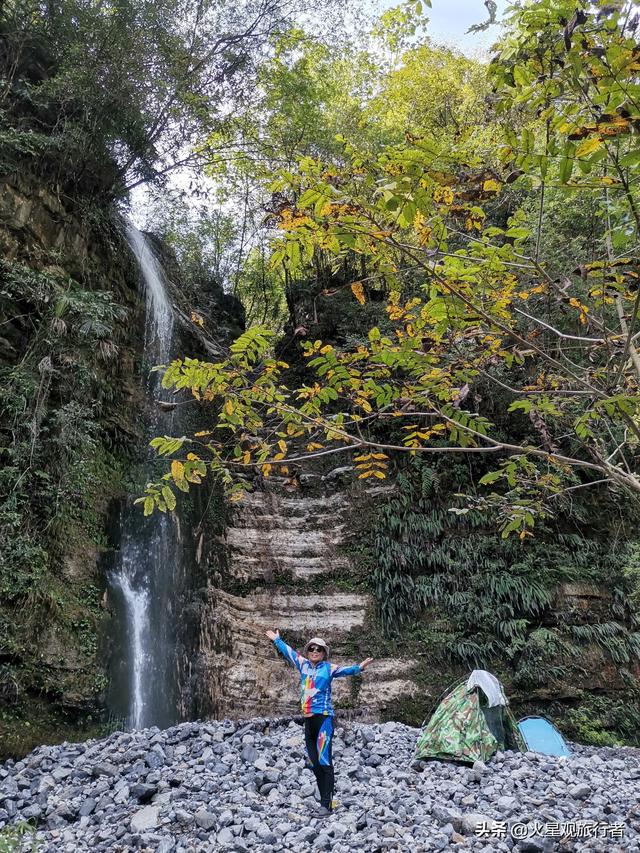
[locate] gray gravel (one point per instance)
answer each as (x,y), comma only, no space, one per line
(238,786)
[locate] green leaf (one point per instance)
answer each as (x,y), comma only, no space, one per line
(518,233)
(631,158)
(169,497)
(525,405)
(491,477)
(566,164)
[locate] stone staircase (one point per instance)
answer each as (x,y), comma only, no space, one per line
(274,534)
(281,541)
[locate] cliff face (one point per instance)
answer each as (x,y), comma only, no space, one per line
(74,423)
(297,559)
(69,354)
(288,566)
(318,554)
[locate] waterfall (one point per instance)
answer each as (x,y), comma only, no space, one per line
(159,314)
(148,571)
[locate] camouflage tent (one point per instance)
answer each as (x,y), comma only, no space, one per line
(464,728)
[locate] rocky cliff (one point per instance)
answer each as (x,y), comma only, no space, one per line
(68,359)
(74,449)
(288,565)
(393,572)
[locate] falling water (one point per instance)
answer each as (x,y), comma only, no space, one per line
(137,606)
(148,570)
(159,315)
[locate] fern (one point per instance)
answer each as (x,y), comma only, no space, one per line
(491,593)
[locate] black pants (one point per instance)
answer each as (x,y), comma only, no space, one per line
(318,736)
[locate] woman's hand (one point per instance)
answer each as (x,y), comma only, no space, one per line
(365,663)
(273,635)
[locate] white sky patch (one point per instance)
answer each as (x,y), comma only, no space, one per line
(449,21)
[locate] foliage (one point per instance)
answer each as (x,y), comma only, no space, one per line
(433,91)
(492,600)
(218,251)
(632,574)
(604,721)
(433,215)
(107,98)
(15,838)
(59,467)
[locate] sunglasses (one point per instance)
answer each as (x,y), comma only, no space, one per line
(315,649)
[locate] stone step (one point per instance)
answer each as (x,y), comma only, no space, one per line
(297,523)
(282,541)
(249,676)
(245,567)
(296,505)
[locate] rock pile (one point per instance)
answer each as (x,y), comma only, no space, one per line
(230,786)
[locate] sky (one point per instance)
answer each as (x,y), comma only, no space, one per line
(450,19)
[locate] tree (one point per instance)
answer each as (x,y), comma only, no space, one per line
(471,299)
(112,95)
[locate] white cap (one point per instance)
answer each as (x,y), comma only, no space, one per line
(317,641)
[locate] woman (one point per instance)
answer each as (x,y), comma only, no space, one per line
(316,675)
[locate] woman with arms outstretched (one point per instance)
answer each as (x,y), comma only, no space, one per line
(316,675)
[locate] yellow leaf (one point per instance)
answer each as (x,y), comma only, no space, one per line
(196,318)
(278,457)
(202,433)
(282,445)
(246,457)
(443,194)
(491,186)
(228,407)
(313,446)
(192,457)
(589,146)
(358,291)
(266,469)
(177,470)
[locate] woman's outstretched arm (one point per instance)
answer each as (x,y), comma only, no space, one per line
(294,657)
(355,669)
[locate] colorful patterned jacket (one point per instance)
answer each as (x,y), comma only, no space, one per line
(315,681)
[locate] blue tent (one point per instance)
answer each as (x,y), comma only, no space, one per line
(542,736)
